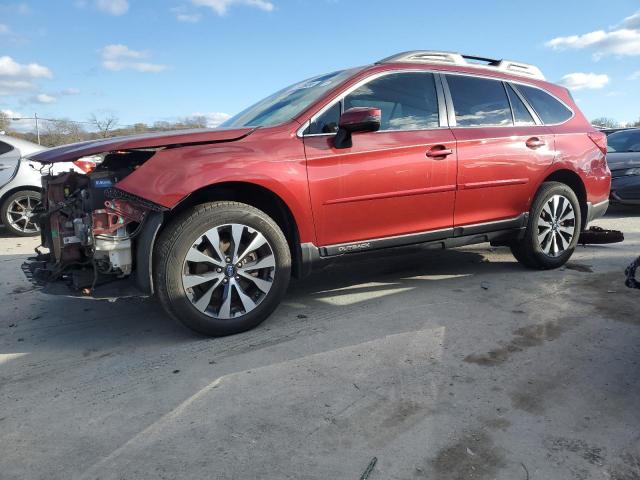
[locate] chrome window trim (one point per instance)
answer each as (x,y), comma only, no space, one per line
(441,108)
(573,113)
(448,110)
(452,117)
(452,113)
(529,108)
(513,114)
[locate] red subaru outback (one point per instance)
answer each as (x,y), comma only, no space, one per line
(421,147)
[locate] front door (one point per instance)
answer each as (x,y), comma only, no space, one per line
(389,183)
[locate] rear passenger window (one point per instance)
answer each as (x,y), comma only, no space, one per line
(408,100)
(521,115)
(549,109)
(479,102)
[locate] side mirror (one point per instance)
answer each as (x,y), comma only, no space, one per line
(357,119)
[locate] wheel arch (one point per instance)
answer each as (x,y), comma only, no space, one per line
(257,196)
(573,181)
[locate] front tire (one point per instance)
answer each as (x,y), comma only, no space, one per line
(222,268)
(17,211)
(553,228)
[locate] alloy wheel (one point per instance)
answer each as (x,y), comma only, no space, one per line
(228,271)
(20,213)
(556,225)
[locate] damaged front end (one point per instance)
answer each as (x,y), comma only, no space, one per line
(90,229)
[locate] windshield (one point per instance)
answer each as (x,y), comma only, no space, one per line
(625,141)
(288,102)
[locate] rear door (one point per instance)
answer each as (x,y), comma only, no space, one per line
(9,158)
(389,183)
(502,149)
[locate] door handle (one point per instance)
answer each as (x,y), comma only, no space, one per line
(535,142)
(439,152)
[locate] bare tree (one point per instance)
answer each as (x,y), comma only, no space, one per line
(632,124)
(61,132)
(5,122)
(105,123)
(195,121)
(605,122)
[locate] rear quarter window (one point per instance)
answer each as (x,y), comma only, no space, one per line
(549,109)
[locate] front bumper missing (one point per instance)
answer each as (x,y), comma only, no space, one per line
(39,272)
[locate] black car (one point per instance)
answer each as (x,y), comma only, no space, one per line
(623,156)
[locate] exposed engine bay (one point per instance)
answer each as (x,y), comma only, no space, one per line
(89,226)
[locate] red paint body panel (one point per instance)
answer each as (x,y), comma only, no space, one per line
(497,173)
(385,184)
(382,186)
(272,158)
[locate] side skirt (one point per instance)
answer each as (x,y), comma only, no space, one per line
(498,233)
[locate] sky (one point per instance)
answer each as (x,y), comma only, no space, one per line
(162,60)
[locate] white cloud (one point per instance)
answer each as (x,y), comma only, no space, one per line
(213,118)
(623,41)
(632,21)
(14,87)
(183,14)
(4,30)
(10,68)
(221,6)
(44,98)
(25,125)
(113,7)
(188,17)
(18,78)
(579,80)
(120,57)
(70,91)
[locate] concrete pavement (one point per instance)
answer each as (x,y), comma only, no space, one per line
(443,365)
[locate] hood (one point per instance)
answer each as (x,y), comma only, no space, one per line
(74,151)
(623,160)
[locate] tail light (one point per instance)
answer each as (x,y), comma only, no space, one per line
(87,166)
(600,139)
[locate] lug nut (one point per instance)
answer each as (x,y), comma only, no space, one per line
(237,277)
(228,260)
(218,270)
(225,280)
(239,265)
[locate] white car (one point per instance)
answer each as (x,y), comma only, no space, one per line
(20,183)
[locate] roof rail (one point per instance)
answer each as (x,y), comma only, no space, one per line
(453,58)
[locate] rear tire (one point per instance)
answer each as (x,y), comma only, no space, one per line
(16,213)
(553,228)
(221,268)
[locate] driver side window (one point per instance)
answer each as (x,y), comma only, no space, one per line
(408,101)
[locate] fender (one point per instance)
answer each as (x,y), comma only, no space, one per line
(272,162)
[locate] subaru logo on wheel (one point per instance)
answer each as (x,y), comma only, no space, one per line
(230,270)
